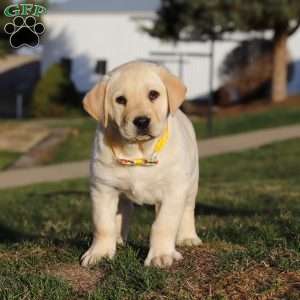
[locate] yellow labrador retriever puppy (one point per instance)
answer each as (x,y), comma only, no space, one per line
(145,152)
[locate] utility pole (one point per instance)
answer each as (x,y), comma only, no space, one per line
(19,106)
(210,55)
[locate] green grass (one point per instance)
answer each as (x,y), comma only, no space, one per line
(245,122)
(6,158)
(78,145)
(247,212)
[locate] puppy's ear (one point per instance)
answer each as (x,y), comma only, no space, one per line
(176,90)
(95,102)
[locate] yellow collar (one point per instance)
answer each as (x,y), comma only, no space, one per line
(153,160)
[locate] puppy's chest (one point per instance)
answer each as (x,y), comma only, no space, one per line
(143,187)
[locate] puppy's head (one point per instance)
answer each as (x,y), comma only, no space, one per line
(136,98)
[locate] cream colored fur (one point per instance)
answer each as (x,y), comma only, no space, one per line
(171,185)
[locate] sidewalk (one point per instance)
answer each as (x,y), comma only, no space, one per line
(244,141)
(213,146)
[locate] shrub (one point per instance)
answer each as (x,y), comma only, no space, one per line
(55,94)
(4,48)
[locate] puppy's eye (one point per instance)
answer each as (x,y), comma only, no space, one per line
(153,95)
(121,100)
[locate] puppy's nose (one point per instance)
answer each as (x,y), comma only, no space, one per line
(141,122)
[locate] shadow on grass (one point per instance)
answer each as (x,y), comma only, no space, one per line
(200,209)
(10,236)
(206,209)
(50,195)
(140,248)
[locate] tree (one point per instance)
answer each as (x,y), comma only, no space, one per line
(200,20)
(55,94)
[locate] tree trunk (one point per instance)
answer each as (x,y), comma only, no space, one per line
(280,59)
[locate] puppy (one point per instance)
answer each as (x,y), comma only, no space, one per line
(145,151)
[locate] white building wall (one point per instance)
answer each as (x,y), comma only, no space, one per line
(117,38)
(294,49)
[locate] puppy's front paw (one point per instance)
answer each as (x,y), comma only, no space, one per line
(162,259)
(189,241)
(96,252)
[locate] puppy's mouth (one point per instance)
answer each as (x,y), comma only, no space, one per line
(144,137)
(137,137)
(134,136)
(144,134)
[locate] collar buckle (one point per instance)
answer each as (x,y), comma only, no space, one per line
(160,144)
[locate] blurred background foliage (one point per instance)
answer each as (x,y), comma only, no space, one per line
(55,94)
(201,20)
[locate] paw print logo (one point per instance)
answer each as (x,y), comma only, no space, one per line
(24,32)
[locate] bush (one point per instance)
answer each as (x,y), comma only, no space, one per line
(55,94)
(4,48)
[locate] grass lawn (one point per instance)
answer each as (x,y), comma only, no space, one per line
(245,122)
(248,213)
(78,145)
(6,158)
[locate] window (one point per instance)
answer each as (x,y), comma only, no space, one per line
(101,67)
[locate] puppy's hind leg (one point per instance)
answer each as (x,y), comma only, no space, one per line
(187,235)
(125,210)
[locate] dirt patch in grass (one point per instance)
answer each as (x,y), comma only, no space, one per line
(193,273)
(257,282)
(198,276)
(82,280)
